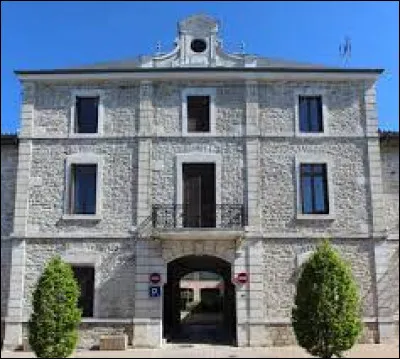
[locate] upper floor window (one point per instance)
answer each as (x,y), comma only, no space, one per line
(198,111)
(83,186)
(87,114)
(83,192)
(314,188)
(310,114)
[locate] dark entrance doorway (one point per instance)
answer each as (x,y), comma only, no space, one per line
(199,195)
(176,330)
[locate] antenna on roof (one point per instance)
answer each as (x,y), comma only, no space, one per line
(345,50)
(158,48)
(242,46)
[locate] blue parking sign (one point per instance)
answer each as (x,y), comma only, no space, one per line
(154,291)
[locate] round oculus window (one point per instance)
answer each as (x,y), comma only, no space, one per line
(198,45)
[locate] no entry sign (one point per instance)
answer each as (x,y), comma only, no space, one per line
(242,277)
(155,277)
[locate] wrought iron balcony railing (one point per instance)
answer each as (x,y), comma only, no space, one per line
(222,216)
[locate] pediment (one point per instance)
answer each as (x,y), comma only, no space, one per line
(172,59)
(198,24)
(198,28)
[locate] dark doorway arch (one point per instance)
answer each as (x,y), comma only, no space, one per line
(173,330)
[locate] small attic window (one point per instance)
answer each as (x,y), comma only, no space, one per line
(198,45)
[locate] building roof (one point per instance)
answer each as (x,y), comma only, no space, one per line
(9,139)
(388,135)
(263,64)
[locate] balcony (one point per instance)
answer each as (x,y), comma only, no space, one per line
(216,221)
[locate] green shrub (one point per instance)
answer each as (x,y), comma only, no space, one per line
(326,316)
(55,318)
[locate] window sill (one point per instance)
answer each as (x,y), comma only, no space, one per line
(313,217)
(85,135)
(311,134)
(105,320)
(198,134)
(81,217)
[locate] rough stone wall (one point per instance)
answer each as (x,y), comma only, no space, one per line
(282,334)
(47,186)
(390,181)
(343,101)
(388,277)
(282,270)
(174,249)
(164,175)
(391,283)
(53,108)
(9,162)
(387,267)
(278,186)
(90,333)
(114,271)
(229,102)
(115,263)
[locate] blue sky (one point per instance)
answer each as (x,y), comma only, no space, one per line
(61,34)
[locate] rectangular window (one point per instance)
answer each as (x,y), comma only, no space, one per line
(187,297)
(85,278)
(198,113)
(83,189)
(314,188)
(310,114)
(87,114)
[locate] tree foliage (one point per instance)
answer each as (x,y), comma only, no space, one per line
(326,317)
(55,318)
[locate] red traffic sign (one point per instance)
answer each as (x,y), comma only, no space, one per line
(242,277)
(155,277)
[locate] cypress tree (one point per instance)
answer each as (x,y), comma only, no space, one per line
(326,317)
(55,318)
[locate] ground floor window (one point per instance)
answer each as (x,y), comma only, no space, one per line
(85,278)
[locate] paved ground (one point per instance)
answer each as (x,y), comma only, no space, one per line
(207,351)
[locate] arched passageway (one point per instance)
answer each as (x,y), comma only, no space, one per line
(177,330)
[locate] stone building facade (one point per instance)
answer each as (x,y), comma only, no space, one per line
(145,149)
(9,161)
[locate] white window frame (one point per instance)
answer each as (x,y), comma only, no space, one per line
(83,159)
(100,114)
(317,159)
(200,157)
(198,91)
(325,112)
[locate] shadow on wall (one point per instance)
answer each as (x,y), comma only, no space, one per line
(360,273)
(116,288)
(114,298)
(114,294)
(9,164)
(5,282)
(388,286)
